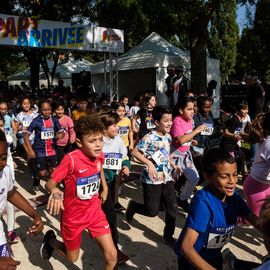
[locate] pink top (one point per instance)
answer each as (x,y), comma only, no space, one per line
(66,123)
(181,127)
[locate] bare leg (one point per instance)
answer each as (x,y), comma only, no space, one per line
(108,248)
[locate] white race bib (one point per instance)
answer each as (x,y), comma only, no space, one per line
(26,123)
(150,124)
(123,131)
(219,236)
(160,156)
(113,161)
(237,131)
(88,186)
(209,130)
(47,133)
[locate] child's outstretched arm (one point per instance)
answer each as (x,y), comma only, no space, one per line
(151,168)
(187,249)
(55,202)
(19,201)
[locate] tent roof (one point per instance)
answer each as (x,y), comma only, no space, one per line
(63,70)
(154,51)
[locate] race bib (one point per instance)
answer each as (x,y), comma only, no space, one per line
(150,124)
(219,236)
(7,131)
(237,131)
(123,131)
(161,156)
(47,133)
(88,186)
(113,161)
(209,130)
(26,122)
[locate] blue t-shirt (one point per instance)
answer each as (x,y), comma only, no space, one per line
(45,131)
(215,222)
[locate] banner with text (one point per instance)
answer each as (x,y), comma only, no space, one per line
(37,33)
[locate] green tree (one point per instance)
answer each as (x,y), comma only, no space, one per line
(224,35)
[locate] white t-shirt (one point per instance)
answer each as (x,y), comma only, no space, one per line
(6,185)
(260,169)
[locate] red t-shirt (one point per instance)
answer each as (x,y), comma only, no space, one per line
(82,180)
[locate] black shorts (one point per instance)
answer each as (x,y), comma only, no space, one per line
(44,163)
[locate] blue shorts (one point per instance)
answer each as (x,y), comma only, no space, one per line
(44,163)
(5,251)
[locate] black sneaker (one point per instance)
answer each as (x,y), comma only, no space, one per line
(121,257)
(46,249)
(118,207)
(169,240)
(130,212)
(183,204)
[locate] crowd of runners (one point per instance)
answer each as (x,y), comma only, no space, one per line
(83,145)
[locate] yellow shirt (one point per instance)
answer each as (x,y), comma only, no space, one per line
(124,127)
(77,114)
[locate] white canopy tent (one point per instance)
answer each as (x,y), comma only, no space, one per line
(144,68)
(63,71)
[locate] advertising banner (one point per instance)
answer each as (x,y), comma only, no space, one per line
(37,33)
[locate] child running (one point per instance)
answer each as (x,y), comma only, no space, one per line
(182,138)
(126,134)
(81,109)
(47,129)
(116,163)
(23,121)
(212,215)
(81,202)
(158,185)
(10,194)
(66,123)
(257,184)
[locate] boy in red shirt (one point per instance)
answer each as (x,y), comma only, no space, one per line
(81,201)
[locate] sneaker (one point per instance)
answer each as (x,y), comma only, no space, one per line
(130,212)
(12,238)
(228,259)
(121,257)
(36,188)
(46,249)
(169,240)
(118,207)
(183,204)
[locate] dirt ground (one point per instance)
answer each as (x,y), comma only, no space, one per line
(141,239)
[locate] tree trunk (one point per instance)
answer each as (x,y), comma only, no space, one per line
(34,61)
(198,70)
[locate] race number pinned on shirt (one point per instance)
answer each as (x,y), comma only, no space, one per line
(161,156)
(219,236)
(237,131)
(26,122)
(47,133)
(209,130)
(150,124)
(113,161)
(123,131)
(88,186)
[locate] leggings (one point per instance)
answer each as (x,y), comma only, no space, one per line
(255,193)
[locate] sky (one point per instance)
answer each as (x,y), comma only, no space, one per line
(241,16)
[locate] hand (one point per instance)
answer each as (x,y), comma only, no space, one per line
(125,171)
(177,173)
(194,142)
(37,226)
(7,263)
(130,148)
(152,172)
(55,202)
(237,137)
(103,195)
